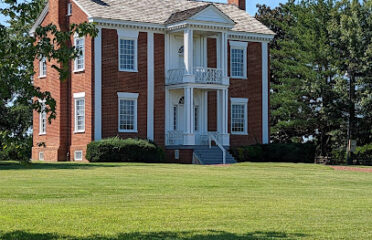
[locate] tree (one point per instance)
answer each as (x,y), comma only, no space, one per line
(309,88)
(351,36)
(18,96)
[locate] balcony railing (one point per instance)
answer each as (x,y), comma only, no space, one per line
(208,75)
(202,75)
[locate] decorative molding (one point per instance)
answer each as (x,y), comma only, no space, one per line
(79,95)
(127,24)
(128,95)
(246,36)
(39,20)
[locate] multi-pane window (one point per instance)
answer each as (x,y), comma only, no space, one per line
(80,114)
(239,116)
(127,54)
(43,120)
(196,118)
(43,67)
(79,60)
(69,9)
(237,62)
(175,118)
(128,112)
(238,59)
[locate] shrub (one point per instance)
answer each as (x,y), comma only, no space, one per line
(124,150)
(278,152)
(363,154)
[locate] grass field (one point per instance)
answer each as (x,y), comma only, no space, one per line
(165,201)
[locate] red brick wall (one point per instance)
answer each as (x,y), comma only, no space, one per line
(250,88)
(159,101)
(82,82)
(59,134)
(212,95)
(185,156)
(114,81)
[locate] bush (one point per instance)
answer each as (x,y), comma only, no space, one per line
(124,150)
(363,154)
(278,152)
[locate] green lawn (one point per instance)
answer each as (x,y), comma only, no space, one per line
(169,201)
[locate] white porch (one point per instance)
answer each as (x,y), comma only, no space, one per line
(187,115)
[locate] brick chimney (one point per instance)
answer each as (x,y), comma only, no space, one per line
(58,13)
(239,3)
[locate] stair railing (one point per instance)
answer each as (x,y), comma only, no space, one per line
(212,137)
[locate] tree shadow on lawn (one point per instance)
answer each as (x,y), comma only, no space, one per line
(192,235)
(9,165)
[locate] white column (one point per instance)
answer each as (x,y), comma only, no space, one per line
(189,137)
(265,93)
(188,51)
(219,111)
(205,111)
(222,116)
(224,60)
(98,86)
(150,85)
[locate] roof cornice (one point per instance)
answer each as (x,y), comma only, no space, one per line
(39,20)
(247,36)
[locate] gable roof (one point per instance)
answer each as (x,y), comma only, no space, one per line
(163,12)
(197,14)
(167,11)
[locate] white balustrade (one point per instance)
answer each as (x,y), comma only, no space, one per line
(202,75)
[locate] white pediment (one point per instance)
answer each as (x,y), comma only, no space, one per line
(212,14)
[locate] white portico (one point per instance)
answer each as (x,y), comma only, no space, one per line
(189,79)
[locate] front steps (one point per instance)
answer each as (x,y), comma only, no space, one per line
(211,156)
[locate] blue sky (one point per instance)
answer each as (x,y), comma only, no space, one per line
(251,6)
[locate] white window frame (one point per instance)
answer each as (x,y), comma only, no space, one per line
(127,34)
(42,67)
(41,156)
(69,9)
(78,97)
(42,119)
(76,67)
(242,46)
(76,158)
(130,97)
(243,102)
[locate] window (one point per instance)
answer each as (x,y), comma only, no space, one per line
(196,118)
(79,99)
(43,120)
(238,61)
(78,155)
(41,156)
(239,118)
(128,54)
(69,9)
(127,112)
(79,61)
(175,112)
(42,67)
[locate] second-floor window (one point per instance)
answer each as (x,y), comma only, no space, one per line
(79,61)
(127,54)
(238,59)
(42,67)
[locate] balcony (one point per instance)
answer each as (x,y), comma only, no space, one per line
(201,75)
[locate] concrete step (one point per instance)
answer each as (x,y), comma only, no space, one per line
(212,156)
